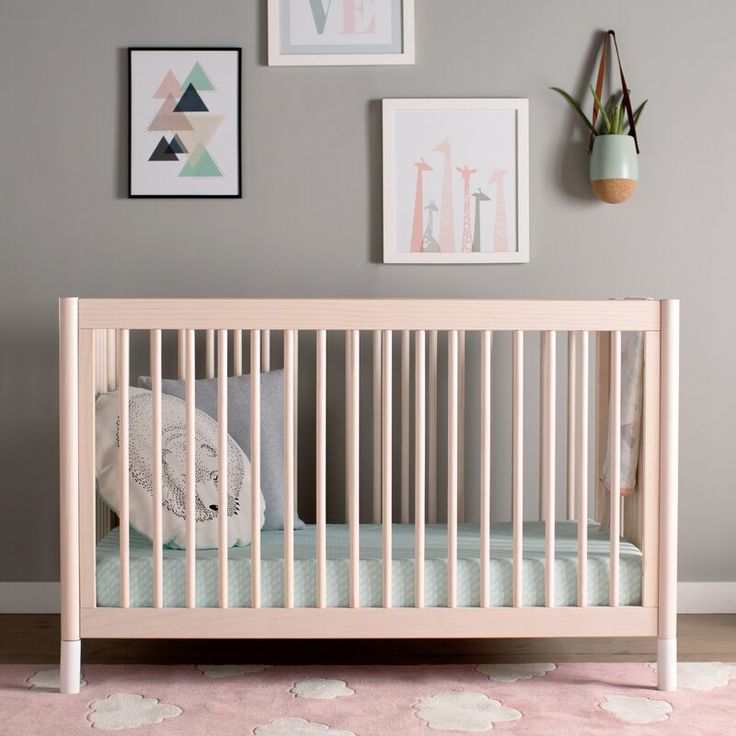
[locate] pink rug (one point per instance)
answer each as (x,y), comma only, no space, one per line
(238,700)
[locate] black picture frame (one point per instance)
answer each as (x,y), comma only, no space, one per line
(231,49)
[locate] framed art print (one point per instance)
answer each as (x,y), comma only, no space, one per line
(340,32)
(184,116)
(456,181)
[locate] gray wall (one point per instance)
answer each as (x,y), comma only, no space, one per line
(306,228)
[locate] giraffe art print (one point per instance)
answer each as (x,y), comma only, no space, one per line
(455,181)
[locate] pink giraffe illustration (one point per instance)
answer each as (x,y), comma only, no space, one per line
(466,172)
(446,236)
(417,231)
(500,235)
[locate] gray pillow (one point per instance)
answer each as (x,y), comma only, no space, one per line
(238,411)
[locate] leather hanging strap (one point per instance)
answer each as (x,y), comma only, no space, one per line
(625,90)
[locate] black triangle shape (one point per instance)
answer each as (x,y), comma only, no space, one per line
(177,146)
(190,101)
(163,152)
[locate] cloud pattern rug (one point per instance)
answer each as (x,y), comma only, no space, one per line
(261,700)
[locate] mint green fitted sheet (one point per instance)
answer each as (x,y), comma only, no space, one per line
(435,572)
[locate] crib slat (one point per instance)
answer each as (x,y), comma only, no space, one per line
(405,368)
(289,468)
(209,367)
(549,359)
(517,480)
(346,338)
(602,404)
(181,354)
(485,466)
(353,440)
(111,360)
(89,379)
(123,353)
(321,466)
(461,425)
(238,352)
(581,472)
(266,351)
(191,499)
(432,430)
(650,469)
(296,421)
(614,432)
(452,466)
(419,467)
(571,418)
(376,426)
(157,467)
(387,515)
(222,465)
(255,468)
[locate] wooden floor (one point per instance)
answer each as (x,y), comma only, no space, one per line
(34,639)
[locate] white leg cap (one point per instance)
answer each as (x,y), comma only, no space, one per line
(71,667)
(667,664)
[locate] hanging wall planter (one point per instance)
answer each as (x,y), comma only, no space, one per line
(614,168)
(614,146)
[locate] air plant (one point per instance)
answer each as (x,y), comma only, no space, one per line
(613,117)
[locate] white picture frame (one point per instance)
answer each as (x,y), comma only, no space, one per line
(500,172)
(299,33)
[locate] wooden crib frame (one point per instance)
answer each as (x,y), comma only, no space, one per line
(94,355)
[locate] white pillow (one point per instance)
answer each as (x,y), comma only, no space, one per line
(173,442)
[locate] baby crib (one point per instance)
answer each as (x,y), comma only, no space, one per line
(418,409)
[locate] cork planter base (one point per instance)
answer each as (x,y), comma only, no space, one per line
(614,168)
(613,191)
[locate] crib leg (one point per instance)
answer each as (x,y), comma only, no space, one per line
(667,664)
(71,667)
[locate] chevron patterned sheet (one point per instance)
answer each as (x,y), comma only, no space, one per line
(305,568)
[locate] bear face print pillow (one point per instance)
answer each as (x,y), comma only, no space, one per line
(174,476)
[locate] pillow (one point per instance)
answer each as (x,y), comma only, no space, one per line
(173,442)
(238,412)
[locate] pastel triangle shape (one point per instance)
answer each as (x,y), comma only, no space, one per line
(200,164)
(203,129)
(176,121)
(205,126)
(167,108)
(198,79)
(169,86)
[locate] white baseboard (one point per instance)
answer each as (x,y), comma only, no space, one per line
(719,597)
(29,597)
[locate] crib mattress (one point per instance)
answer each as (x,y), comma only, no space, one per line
(435,571)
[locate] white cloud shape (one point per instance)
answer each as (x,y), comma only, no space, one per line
(222,671)
(515,672)
(463,711)
(703,675)
(320,688)
(631,709)
(298,727)
(48,681)
(128,710)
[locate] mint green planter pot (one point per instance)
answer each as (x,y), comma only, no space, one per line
(614,167)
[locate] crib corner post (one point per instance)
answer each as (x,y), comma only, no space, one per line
(69,493)
(669,428)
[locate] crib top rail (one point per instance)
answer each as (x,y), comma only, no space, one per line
(370,314)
